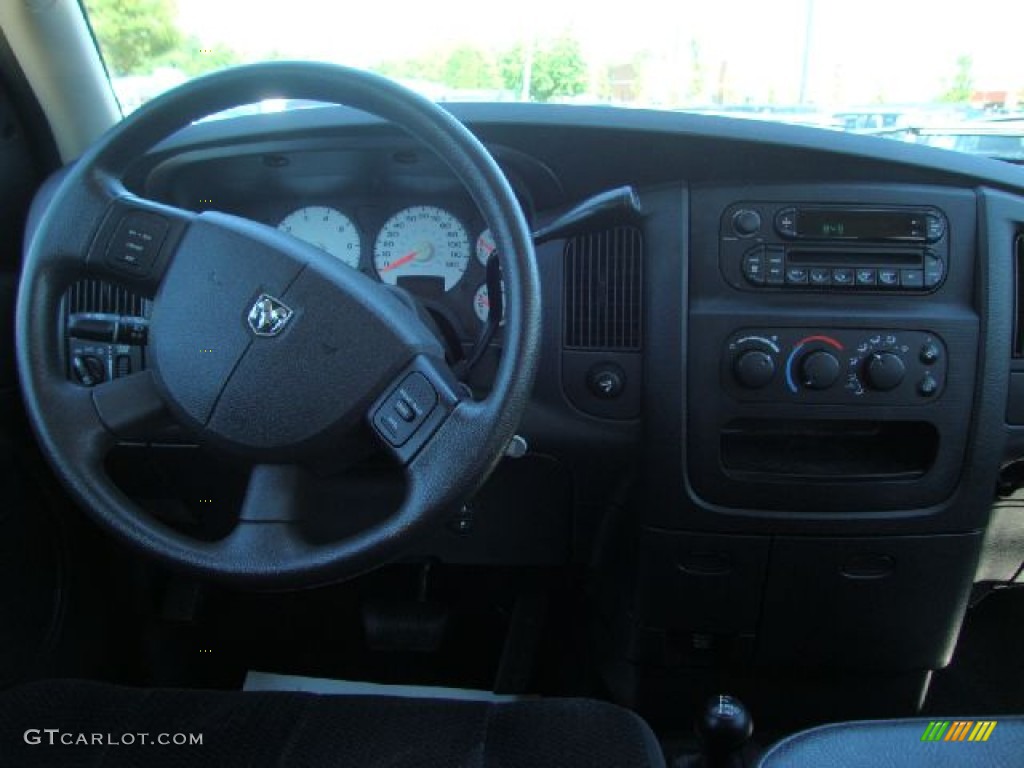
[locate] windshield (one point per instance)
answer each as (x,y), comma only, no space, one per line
(948,75)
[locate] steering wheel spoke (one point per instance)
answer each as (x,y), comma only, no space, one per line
(137,242)
(262,552)
(276,493)
(130,407)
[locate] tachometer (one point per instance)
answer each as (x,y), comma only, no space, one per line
(328,229)
(422,241)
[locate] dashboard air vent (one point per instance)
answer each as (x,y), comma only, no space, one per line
(101,296)
(604,290)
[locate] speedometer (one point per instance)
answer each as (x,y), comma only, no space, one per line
(328,229)
(422,241)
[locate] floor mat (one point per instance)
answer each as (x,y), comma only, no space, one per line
(320,633)
(269,681)
(986,675)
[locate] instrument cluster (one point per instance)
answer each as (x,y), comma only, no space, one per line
(435,252)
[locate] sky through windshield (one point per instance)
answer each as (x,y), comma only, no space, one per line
(801,60)
(865,51)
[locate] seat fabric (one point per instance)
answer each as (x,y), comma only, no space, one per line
(903,744)
(305,729)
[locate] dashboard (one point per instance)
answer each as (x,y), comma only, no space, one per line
(772,411)
(390,212)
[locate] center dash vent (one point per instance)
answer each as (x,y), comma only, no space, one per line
(604,290)
(101,296)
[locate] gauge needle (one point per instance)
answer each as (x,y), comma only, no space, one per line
(399,262)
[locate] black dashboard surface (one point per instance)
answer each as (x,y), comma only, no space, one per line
(688,171)
(775,450)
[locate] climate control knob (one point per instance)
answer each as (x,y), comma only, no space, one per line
(884,371)
(754,369)
(819,370)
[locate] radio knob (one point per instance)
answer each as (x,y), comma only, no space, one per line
(819,370)
(884,371)
(746,222)
(754,369)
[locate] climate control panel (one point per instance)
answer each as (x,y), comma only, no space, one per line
(835,366)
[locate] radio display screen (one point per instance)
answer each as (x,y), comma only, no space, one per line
(859,225)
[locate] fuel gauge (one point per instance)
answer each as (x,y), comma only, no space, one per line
(482,303)
(485,246)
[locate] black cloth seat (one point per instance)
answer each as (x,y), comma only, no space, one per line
(901,744)
(303,729)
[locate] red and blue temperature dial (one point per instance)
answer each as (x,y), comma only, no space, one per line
(812,364)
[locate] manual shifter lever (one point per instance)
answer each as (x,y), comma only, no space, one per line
(724,727)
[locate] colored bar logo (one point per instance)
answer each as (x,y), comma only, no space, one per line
(958,730)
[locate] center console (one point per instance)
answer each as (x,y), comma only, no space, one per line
(809,500)
(842,342)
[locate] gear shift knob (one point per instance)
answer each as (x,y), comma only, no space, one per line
(724,727)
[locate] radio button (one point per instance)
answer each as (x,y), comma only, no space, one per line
(866,276)
(753,267)
(842,276)
(821,276)
(775,266)
(889,278)
(796,275)
(933,270)
(912,278)
(935,227)
(785,222)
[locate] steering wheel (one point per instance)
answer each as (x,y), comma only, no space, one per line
(264,347)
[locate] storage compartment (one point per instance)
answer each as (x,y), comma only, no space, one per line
(868,603)
(828,450)
(698,598)
(701,583)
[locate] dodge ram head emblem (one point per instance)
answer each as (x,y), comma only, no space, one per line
(268,316)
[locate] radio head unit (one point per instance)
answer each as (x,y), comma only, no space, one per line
(833,247)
